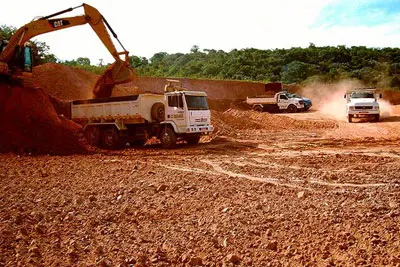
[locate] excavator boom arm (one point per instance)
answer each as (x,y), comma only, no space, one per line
(120,71)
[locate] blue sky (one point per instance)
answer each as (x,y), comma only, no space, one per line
(151,26)
(360,13)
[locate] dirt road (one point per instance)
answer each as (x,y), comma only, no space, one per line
(307,190)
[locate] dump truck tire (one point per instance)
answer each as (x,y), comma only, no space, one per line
(111,139)
(158,112)
(168,138)
(92,135)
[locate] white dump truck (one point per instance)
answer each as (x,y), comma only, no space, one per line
(178,114)
(362,103)
(282,101)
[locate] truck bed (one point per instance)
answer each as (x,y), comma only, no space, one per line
(133,107)
(261,100)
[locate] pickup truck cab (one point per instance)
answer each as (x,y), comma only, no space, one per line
(362,103)
(307,101)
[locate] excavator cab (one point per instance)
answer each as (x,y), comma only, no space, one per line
(22,60)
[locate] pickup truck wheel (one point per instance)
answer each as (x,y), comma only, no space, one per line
(258,109)
(158,112)
(168,138)
(111,139)
(377,117)
(291,109)
(92,135)
(192,140)
(350,118)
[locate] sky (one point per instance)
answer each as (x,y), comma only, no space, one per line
(175,26)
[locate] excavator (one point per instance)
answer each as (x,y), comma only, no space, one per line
(16,54)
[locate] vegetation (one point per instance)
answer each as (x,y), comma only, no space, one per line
(373,66)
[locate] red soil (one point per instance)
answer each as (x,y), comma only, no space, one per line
(29,123)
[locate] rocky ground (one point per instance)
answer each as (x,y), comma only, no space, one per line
(315,192)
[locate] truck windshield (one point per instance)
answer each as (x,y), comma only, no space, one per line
(293,96)
(362,95)
(196,102)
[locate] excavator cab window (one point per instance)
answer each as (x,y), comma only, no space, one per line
(27,59)
(3,44)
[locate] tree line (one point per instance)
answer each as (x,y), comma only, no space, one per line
(373,66)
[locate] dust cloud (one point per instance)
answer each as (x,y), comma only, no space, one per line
(386,109)
(329,99)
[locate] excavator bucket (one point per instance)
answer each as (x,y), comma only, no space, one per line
(119,72)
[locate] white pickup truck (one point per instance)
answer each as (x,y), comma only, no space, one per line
(179,114)
(362,103)
(282,101)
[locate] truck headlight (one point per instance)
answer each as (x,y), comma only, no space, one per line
(352,107)
(375,107)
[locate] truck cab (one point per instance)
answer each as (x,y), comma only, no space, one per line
(187,111)
(362,103)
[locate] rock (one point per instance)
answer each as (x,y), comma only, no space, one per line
(34,251)
(161,188)
(18,218)
(196,261)
(343,246)
(225,210)
(301,194)
(40,229)
(92,198)
(268,232)
(233,258)
(273,245)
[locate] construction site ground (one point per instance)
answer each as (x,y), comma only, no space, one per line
(265,190)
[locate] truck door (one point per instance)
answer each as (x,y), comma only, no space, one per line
(176,112)
(283,101)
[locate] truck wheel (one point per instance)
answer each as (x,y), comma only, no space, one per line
(192,140)
(168,138)
(291,109)
(377,117)
(92,135)
(350,118)
(158,112)
(258,109)
(111,139)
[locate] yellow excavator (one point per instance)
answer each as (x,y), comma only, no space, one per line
(16,54)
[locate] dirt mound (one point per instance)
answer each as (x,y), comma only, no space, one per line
(64,82)
(29,123)
(228,122)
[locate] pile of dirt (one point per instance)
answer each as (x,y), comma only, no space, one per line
(232,120)
(30,123)
(64,82)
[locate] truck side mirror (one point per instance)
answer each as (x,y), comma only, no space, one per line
(380,95)
(344,96)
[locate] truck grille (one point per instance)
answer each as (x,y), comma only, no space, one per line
(363,107)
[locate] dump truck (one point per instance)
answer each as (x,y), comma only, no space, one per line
(281,101)
(362,103)
(178,114)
